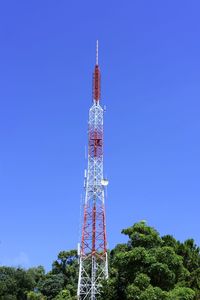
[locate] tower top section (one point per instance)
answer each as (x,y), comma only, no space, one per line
(97,53)
(97,77)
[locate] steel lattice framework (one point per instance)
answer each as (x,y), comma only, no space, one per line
(93,263)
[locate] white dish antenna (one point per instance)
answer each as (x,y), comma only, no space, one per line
(104,182)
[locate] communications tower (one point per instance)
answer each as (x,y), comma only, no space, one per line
(93,262)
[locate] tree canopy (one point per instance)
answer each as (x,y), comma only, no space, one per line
(147,267)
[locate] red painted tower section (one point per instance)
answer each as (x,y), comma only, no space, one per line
(96,84)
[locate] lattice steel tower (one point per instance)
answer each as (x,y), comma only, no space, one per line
(93,263)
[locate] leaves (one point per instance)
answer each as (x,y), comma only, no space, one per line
(182,293)
(153,267)
(52,285)
(142,235)
(63,295)
(147,267)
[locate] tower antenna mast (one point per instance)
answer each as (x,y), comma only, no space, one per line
(93,261)
(97,53)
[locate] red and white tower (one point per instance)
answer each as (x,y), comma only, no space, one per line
(93,263)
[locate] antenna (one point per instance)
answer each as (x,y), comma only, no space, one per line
(97,53)
(96,76)
(93,258)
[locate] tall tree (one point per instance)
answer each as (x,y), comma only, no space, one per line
(149,267)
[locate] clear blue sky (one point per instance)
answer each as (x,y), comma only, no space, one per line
(150,63)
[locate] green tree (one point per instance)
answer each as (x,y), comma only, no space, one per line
(63,295)
(35,296)
(152,267)
(182,293)
(67,265)
(25,283)
(51,285)
(15,283)
(8,297)
(8,283)
(153,293)
(147,267)
(141,235)
(190,253)
(37,273)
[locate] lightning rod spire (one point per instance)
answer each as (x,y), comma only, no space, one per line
(97,53)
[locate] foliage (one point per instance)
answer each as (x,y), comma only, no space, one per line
(67,265)
(51,285)
(15,283)
(147,267)
(35,296)
(182,293)
(63,295)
